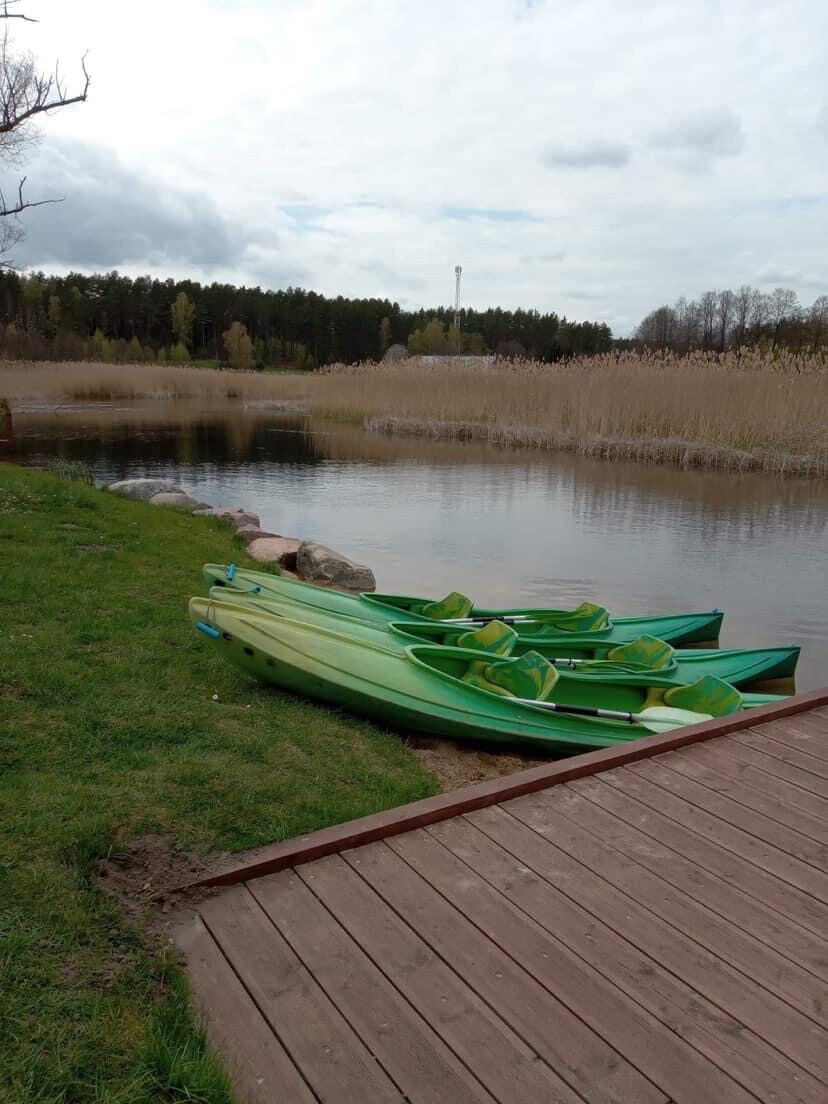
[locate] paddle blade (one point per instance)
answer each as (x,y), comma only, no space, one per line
(660,718)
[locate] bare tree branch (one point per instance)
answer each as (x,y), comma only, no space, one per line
(25,93)
(6,14)
(23,204)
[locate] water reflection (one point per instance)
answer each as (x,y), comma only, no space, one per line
(503,526)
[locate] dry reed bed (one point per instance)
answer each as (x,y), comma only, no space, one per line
(745,411)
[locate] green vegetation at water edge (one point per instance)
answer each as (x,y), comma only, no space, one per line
(110,732)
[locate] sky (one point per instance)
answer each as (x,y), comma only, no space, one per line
(591,157)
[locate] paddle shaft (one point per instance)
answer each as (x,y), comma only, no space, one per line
(479,622)
(586,711)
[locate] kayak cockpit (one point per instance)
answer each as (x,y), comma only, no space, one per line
(532,678)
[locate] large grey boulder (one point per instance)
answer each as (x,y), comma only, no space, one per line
(178,498)
(318,564)
(238,517)
(280,550)
(145,489)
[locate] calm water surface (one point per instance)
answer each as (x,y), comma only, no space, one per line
(505,528)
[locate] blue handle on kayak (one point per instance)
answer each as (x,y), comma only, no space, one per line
(231,571)
(210,630)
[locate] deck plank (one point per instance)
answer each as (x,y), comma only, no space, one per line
(727,808)
(776,1021)
(633,805)
(401,1040)
(726,836)
(761,943)
(325,1048)
(752,788)
(678,1070)
(793,781)
(570,901)
(593,1069)
(261,1067)
(804,733)
(814,780)
(508,1068)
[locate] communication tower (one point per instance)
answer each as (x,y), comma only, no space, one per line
(458,272)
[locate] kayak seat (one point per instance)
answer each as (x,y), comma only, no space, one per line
(707,695)
(586,618)
(648,651)
(497,638)
(477,675)
(454,605)
(531,676)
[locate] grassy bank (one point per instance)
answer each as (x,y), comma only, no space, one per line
(747,410)
(110,733)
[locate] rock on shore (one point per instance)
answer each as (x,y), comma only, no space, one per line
(274,549)
(317,564)
(238,517)
(145,489)
(176,498)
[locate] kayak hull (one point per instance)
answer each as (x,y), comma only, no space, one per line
(417,689)
(743,668)
(690,629)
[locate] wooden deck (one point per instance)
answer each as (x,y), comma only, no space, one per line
(643,925)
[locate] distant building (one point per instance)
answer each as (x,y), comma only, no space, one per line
(479,360)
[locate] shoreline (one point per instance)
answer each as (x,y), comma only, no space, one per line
(670,452)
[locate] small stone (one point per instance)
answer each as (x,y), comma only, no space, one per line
(318,564)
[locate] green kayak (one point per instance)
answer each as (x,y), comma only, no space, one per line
(642,661)
(533,625)
(452,692)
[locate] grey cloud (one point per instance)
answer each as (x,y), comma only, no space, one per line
(587,155)
(710,133)
(112,215)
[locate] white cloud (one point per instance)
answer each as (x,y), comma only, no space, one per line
(378,116)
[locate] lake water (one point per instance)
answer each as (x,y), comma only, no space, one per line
(507,528)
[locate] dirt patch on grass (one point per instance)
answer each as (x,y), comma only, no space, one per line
(457,765)
(90,549)
(146,880)
(14,691)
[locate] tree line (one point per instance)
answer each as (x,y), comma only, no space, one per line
(114,317)
(721,320)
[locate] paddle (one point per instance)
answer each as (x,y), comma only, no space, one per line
(657,718)
(478,622)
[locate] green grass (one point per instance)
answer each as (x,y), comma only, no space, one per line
(110,731)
